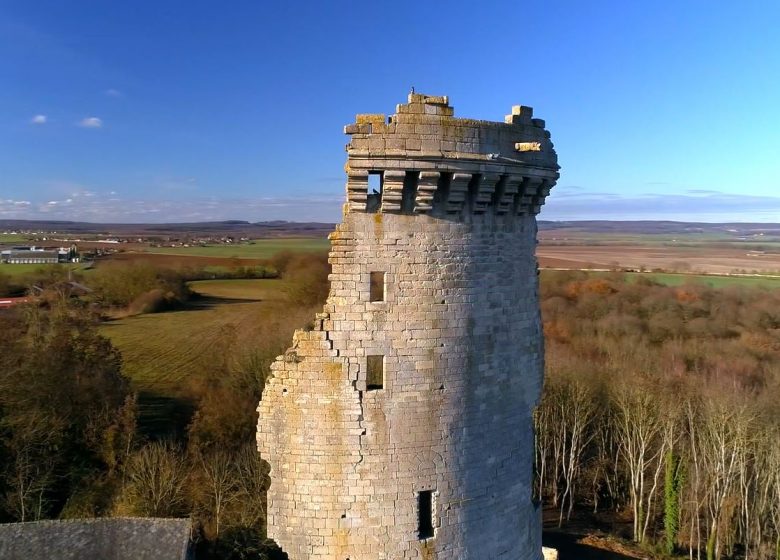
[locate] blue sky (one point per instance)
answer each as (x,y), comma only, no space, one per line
(188,110)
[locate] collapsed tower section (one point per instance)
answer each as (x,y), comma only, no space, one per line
(400,426)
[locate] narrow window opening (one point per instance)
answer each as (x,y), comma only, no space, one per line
(377,286)
(409,191)
(473,190)
(375,372)
(498,194)
(374,199)
(425,514)
(442,193)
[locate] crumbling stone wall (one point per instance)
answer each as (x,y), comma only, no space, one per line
(453,231)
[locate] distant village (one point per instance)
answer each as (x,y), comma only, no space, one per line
(51,248)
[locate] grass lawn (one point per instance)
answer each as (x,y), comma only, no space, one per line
(19,269)
(12,238)
(160,351)
(258,249)
(266,290)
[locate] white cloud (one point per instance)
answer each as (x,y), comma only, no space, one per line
(38,119)
(696,205)
(110,208)
(111,92)
(91,122)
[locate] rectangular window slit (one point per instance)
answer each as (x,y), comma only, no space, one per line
(425,514)
(375,372)
(375,184)
(377,286)
(409,191)
(473,192)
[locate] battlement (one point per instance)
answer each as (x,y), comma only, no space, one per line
(430,162)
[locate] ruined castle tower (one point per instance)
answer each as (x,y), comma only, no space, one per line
(400,425)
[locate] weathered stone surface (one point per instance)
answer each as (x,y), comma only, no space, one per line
(97,539)
(460,338)
(528,147)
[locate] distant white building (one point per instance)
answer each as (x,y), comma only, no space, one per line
(39,255)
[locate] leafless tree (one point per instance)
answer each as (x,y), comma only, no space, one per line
(640,430)
(725,429)
(576,409)
(155,481)
(220,484)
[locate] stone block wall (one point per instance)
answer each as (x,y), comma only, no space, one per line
(115,538)
(458,338)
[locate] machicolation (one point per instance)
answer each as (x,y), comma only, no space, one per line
(401,426)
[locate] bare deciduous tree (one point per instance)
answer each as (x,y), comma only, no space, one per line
(155,481)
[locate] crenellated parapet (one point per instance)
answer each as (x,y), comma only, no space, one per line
(430,162)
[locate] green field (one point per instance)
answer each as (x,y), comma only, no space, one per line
(257,249)
(714,281)
(162,351)
(12,238)
(16,270)
(19,269)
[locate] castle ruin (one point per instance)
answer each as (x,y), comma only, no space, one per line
(400,426)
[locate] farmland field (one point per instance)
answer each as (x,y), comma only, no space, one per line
(160,350)
(177,261)
(714,281)
(12,238)
(711,280)
(690,254)
(689,258)
(258,249)
(163,352)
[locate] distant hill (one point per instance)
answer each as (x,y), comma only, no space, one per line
(316,229)
(236,228)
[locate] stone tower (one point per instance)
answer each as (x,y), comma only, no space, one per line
(400,425)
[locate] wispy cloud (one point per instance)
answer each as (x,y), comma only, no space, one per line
(691,205)
(38,119)
(188,184)
(82,203)
(91,122)
(702,191)
(111,92)
(109,207)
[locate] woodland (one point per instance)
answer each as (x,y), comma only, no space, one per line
(659,421)
(660,418)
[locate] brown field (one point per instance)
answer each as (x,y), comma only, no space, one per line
(698,259)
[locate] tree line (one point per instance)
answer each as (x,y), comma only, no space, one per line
(660,406)
(71,440)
